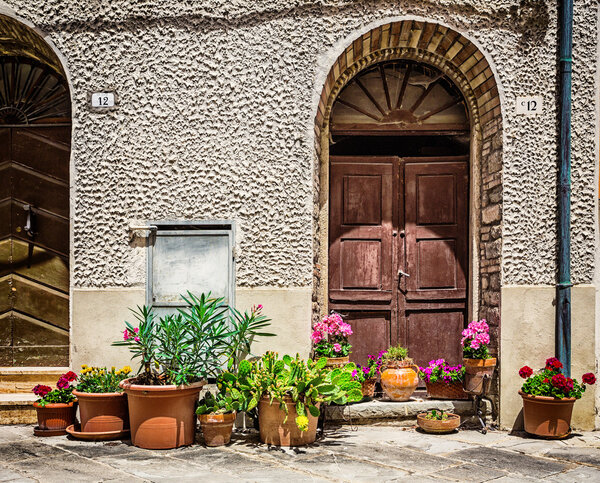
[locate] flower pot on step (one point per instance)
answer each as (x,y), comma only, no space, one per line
(56,416)
(162,417)
(274,431)
(334,362)
(399,380)
(548,417)
(478,375)
(217,428)
(437,425)
(442,390)
(368,387)
(102,412)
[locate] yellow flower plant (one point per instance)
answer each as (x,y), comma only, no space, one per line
(100,379)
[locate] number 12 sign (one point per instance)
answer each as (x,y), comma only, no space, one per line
(102,100)
(530,105)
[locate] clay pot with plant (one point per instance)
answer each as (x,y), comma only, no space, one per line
(399,379)
(178,353)
(288,395)
(217,416)
(443,381)
(330,340)
(548,399)
(479,366)
(102,403)
(367,375)
(438,421)
(55,408)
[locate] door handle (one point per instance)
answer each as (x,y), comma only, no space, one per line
(402,274)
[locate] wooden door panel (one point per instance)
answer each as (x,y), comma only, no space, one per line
(45,150)
(45,267)
(51,231)
(40,191)
(434,334)
(371,332)
(41,302)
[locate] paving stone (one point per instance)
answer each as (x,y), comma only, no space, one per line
(6,474)
(470,473)
(516,463)
(26,449)
(92,449)
(581,473)
(590,456)
(69,468)
(10,434)
(476,437)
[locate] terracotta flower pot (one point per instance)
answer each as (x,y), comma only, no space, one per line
(368,387)
(162,417)
(399,380)
(438,426)
(217,428)
(333,362)
(55,417)
(478,375)
(274,431)
(442,390)
(102,412)
(548,417)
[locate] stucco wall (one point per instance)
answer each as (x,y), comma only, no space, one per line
(217,101)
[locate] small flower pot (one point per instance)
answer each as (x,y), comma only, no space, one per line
(438,426)
(103,412)
(274,431)
(478,375)
(334,362)
(217,428)
(547,417)
(162,417)
(399,380)
(368,387)
(56,416)
(443,390)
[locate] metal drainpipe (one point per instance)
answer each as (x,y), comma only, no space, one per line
(563,287)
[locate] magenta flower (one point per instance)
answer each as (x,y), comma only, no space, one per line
(62,383)
(337,347)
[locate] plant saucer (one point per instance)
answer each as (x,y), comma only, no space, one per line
(75,431)
(37,431)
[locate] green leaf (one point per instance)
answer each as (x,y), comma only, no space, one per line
(314,410)
(321,363)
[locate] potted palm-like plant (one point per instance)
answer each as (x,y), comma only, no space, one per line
(102,403)
(399,379)
(443,381)
(548,399)
(288,393)
(479,366)
(330,339)
(55,408)
(217,415)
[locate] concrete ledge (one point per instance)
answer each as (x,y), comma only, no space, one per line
(17,408)
(405,413)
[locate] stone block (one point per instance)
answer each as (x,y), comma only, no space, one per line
(491,214)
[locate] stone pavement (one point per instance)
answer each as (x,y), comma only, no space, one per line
(365,453)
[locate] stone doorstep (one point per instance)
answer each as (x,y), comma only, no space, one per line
(17,408)
(22,379)
(404,413)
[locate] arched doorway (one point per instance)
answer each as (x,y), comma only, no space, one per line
(35,139)
(408,136)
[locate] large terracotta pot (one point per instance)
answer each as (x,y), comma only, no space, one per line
(548,417)
(399,380)
(274,431)
(162,417)
(217,428)
(334,362)
(438,426)
(442,390)
(102,412)
(56,416)
(478,375)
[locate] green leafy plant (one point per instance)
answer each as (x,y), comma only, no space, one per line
(396,353)
(437,414)
(63,393)
(551,382)
(221,403)
(101,379)
(245,327)
(307,383)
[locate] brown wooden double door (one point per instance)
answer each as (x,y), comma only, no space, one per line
(34,245)
(398,253)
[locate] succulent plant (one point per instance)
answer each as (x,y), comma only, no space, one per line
(221,403)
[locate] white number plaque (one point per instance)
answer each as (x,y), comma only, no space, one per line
(103,99)
(530,106)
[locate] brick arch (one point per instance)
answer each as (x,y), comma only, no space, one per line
(464,63)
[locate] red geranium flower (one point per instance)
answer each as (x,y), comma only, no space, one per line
(62,383)
(70,376)
(40,390)
(546,380)
(559,381)
(525,372)
(588,378)
(553,363)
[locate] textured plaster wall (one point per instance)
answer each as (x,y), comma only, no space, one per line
(217,101)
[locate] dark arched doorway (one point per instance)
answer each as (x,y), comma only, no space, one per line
(35,140)
(399,210)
